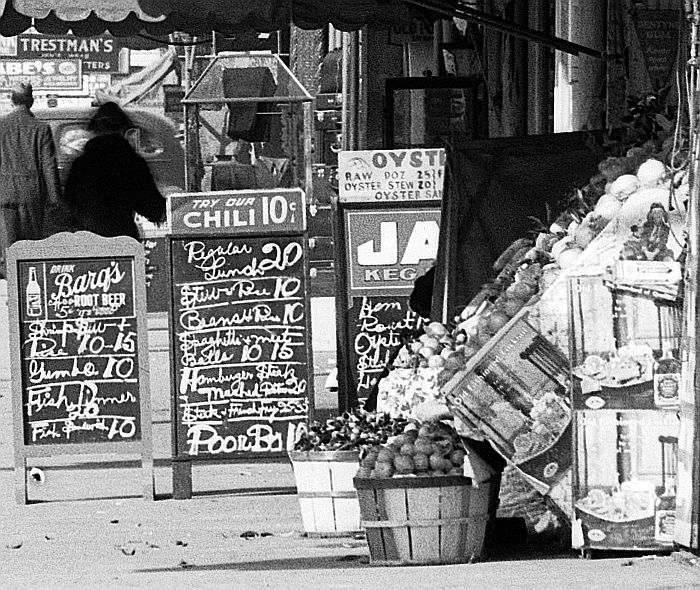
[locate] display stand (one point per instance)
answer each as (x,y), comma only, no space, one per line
(240,326)
(79,351)
(250,98)
(626,381)
(387,216)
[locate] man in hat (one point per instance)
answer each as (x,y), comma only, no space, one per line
(29,180)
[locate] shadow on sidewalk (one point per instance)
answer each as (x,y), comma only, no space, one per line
(261,491)
(292,563)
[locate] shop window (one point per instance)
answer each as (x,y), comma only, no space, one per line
(72,140)
(145,142)
(434,111)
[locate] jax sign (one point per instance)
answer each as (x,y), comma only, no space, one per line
(389,249)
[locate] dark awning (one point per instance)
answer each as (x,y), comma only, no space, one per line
(161,17)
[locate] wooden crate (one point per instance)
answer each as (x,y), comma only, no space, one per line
(426,520)
(327,496)
(500,386)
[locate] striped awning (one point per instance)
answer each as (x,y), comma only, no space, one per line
(159,17)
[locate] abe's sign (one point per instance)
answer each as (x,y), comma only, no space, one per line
(42,74)
(388,249)
(391,176)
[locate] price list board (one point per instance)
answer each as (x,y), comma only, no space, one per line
(375,329)
(240,344)
(241,335)
(80,358)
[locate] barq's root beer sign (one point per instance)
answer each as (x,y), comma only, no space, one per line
(240,325)
(78,351)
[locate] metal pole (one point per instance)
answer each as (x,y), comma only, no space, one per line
(361,124)
(692,270)
(350,83)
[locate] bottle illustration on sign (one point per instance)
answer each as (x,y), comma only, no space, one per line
(33,294)
(667,377)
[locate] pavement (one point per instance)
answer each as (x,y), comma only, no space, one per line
(87,527)
(248,534)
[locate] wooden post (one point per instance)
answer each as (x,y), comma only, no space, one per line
(182,479)
(539,107)
(520,93)
(193,173)
(350,90)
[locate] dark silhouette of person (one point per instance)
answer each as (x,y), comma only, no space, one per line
(109,182)
(29,179)
(421,298)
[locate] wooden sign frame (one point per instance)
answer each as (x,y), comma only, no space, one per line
(182,463)
(67,247)
(345,295)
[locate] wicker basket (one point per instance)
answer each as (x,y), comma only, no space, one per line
(327,497)
(426,520)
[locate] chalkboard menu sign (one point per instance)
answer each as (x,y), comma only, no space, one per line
(387,247)
(79,364)
(239,315)
(375,328)
(78,351)
(240,343)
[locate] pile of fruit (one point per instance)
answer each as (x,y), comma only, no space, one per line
(436,348)
(433,448)
(351,431)
(529,266)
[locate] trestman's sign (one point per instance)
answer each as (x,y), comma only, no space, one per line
(98,54)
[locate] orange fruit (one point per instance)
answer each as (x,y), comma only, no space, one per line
(457,457)
(385,456)
(408,449)
(423,445)
(421,462)
(383,470)
(404,465)
(436,462)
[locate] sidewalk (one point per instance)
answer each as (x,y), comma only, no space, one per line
(90,529)
(197,543)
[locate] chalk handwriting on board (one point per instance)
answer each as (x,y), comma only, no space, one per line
(78,352)
(241,343)
(376,333)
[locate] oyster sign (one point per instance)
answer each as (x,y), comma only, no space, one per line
(389,249)
(391,176)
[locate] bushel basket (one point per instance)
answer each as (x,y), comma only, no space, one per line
(426,519)
(327,497)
